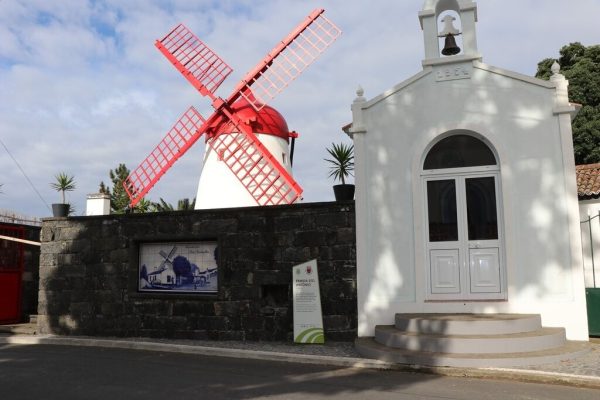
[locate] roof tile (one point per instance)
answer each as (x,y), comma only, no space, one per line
(588,180)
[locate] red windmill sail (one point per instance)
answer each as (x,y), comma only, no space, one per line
(248,159)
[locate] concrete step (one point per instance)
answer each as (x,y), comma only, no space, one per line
(369,348)
(19,329)
(33,318)
(538,340)
(468,324)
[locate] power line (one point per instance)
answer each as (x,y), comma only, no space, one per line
(25,175)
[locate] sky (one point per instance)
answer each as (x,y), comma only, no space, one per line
(83,89)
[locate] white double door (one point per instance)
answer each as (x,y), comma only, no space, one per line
(464,242)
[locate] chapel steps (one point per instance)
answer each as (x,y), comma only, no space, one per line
(469,340)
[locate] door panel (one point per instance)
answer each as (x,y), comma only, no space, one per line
(11,271)
(464,254)
(445,271)
(485,270)
(10,296)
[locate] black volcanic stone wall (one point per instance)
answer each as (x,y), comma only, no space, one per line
(89,273)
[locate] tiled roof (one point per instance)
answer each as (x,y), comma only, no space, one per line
(588,180)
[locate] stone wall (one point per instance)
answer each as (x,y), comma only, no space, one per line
(89,273)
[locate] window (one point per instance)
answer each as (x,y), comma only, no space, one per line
(441,208)
(482,219)
(459,151)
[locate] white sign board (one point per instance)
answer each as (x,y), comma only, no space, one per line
(308,320)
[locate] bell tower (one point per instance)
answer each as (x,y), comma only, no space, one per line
(449,31)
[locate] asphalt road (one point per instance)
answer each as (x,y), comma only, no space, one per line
(68,372)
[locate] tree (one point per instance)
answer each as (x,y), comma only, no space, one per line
(119,200)
(581,66)
(342,161)
(183,270)
(144,273)
(103,189)
(64,183)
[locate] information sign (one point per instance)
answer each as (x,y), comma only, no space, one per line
(308,319)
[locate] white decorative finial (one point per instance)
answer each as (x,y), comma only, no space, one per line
(360,95)
(561,84)
(360,91)
(357,113)
(555,68)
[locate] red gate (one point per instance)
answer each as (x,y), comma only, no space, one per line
(11,271)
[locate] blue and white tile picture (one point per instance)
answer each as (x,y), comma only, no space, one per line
(178,267)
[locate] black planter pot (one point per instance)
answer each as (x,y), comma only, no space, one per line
(60,210)
(343,192)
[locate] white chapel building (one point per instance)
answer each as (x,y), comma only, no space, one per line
(466,196)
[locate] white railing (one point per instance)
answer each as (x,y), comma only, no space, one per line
(14,218)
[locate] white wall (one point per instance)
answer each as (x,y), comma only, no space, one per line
(97,204)
(514,114)
(218,187)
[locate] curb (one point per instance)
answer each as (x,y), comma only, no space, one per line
(529,376)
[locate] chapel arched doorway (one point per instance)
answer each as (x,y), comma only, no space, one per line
(464,244)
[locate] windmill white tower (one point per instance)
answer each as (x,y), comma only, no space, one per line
(247,161)
(218,186)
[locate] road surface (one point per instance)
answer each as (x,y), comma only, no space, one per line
(69,372)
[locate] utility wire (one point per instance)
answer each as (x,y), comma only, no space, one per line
(25,175)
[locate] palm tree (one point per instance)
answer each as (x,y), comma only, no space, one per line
(64,183)
(162,205)
(185,204)
(182,205)
(342,161)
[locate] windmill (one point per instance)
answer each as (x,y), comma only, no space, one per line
(229,132)
(167,258)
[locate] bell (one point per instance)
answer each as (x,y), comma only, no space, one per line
(450,47)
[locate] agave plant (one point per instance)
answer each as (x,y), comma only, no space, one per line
(64,183)
(341,162)
(144,206)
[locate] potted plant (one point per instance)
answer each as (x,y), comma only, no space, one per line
(341,165)
(64,183)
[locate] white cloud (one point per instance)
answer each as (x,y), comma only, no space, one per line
(82,87)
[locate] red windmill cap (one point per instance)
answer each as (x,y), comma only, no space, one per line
(266,121)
